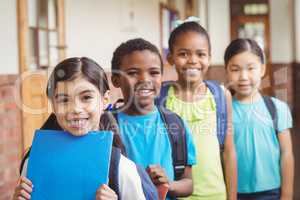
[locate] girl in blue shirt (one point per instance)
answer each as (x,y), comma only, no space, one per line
(265,158)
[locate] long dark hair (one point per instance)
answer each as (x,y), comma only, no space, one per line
(71,68)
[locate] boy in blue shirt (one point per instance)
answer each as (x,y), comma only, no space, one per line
(137,70)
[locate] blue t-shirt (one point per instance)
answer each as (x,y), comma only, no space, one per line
(147,142)
(257,145)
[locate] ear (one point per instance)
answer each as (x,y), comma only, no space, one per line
(209,59)
(115,79)
(170,58)
(106,98)
(263,70)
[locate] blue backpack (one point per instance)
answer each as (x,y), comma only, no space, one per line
(149,189)
(220,99)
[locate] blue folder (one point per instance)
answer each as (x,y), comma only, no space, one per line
(62,166)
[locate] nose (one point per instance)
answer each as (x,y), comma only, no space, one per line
(77,106)
(244,74)
(192,59)
(144,77)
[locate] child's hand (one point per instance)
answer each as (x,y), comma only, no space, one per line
(23,189)
(105,193)
(157,174)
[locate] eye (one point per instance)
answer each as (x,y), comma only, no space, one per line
(132,73)
(182,54)
(155,72)
(202,54)
(87,97)
(234,69)
(62,100)
(251,68)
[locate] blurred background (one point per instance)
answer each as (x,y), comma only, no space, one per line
(36,34)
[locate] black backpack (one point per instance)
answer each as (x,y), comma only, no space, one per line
(149,189)
(273,112)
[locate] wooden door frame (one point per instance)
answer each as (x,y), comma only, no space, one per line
(22,22)
(264,19)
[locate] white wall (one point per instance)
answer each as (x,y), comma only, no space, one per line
(281,31)
(280,25)
(8,37)
(297,29)
(94,28)
(218,28)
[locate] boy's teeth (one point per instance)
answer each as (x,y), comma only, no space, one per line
(144,92)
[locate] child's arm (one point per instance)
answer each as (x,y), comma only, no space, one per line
(184,186)
(23,189)
(229,154)
(287,165)
(180,188)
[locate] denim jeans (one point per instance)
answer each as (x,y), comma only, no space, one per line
(265,195)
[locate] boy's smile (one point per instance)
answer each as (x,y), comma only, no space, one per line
(140,80)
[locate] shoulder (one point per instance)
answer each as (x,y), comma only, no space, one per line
(282,108)
(128,171)
(280,104)
(130,183)
(126,163)
(283,114)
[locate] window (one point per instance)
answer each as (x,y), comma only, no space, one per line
(43,48)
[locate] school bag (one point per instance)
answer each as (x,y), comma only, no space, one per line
(221,106)
(149,189)
(177,137)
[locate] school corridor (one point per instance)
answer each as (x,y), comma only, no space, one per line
(36,34)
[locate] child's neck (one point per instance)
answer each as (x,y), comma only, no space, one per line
(249,98)
(134,110)
(190,92)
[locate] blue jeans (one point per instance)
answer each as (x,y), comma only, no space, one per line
(265,195)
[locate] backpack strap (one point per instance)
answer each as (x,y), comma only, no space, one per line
(160,101)
(51,123)
(220,99)
(114,171)
(273,112)
(177,136)
(26,156)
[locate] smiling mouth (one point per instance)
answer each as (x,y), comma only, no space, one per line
(144,92)
(78,123)
(244,86)
(192,71)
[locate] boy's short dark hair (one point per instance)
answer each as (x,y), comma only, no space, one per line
(128,47)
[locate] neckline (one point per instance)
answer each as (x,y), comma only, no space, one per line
(172,94)
(148,115)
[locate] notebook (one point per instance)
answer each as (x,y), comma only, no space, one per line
(62,166)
